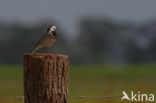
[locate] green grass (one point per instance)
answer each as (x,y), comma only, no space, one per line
(88,80)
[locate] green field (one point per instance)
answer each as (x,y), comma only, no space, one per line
(88,80)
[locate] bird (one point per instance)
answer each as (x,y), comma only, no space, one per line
(47,40)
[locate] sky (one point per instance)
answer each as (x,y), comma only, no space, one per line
(69,12)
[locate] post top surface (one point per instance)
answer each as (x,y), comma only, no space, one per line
(40,55)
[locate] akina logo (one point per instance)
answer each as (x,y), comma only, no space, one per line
(137,96)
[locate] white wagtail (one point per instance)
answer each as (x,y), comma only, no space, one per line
(47,40)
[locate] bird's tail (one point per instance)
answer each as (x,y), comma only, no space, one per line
(36,48)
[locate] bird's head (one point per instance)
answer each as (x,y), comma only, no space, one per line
(51,29)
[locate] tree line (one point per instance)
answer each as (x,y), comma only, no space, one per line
(98,41)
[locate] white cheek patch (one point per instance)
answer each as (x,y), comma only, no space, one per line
(53,28)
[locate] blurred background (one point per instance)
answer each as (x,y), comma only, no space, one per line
(111,44)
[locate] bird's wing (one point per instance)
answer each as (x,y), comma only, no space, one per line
(44,37)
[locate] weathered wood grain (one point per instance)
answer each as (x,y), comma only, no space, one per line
(45,78)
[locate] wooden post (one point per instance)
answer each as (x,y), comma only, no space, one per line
(45,78)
